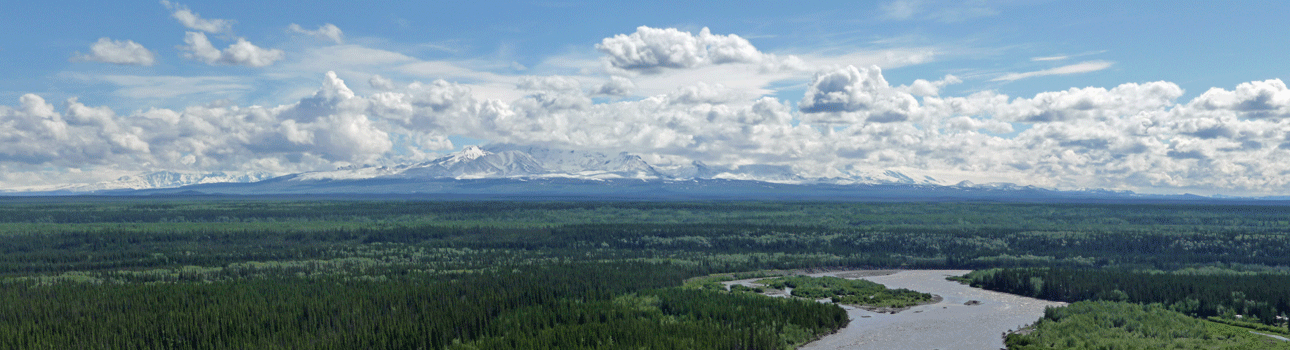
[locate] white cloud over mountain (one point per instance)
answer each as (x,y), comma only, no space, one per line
(662,98)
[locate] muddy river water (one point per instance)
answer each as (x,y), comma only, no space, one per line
(948,324)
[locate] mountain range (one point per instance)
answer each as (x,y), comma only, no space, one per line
(525,171)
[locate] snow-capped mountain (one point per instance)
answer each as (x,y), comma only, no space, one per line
(505,161)
(160,179)
(507,171)
(517,170)
(528,161)
(475,162)
(584,163)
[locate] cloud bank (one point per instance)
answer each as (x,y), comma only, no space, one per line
(849,120)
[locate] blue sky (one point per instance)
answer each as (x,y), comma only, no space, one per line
(1022,92)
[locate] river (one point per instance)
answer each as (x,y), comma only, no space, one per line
(946,325)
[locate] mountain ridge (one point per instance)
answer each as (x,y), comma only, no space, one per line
(527,170)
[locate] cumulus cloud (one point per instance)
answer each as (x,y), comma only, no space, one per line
(650,50)
(704,93)
(1091,102)
(327,31)
(549,83)
(1258,99)
(1082,67)
(36,133)
(241,53)
(125,52)
(849,122)
(381,83)
(854,95)
(616,86)
(922,87)
(193,21)
(972,124)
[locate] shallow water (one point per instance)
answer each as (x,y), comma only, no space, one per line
(945,325)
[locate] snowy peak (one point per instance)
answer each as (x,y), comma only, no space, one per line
(474,162)
(584,163)
(630,163)
(467,154)
(534,162)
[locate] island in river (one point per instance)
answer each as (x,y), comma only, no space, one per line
(962,318)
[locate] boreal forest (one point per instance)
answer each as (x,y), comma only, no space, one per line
(248,273)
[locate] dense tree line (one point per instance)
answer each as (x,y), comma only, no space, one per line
(1258,297)
(57,248)
(554,307)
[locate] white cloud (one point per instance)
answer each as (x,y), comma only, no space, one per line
(35,133)
(650,50)
(550,83)
(711,105)
(125,52)
(191,20)
(327,31)
(1257,99)
(1090,103)
(199,48)
(1133,136)
(1082,67)
(240,53)
(853,95)
(973,124)
(1049,58)
(922,87)
(704,93)
(616,86)
(381,83)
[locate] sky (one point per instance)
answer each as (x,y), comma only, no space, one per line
(1151,97)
